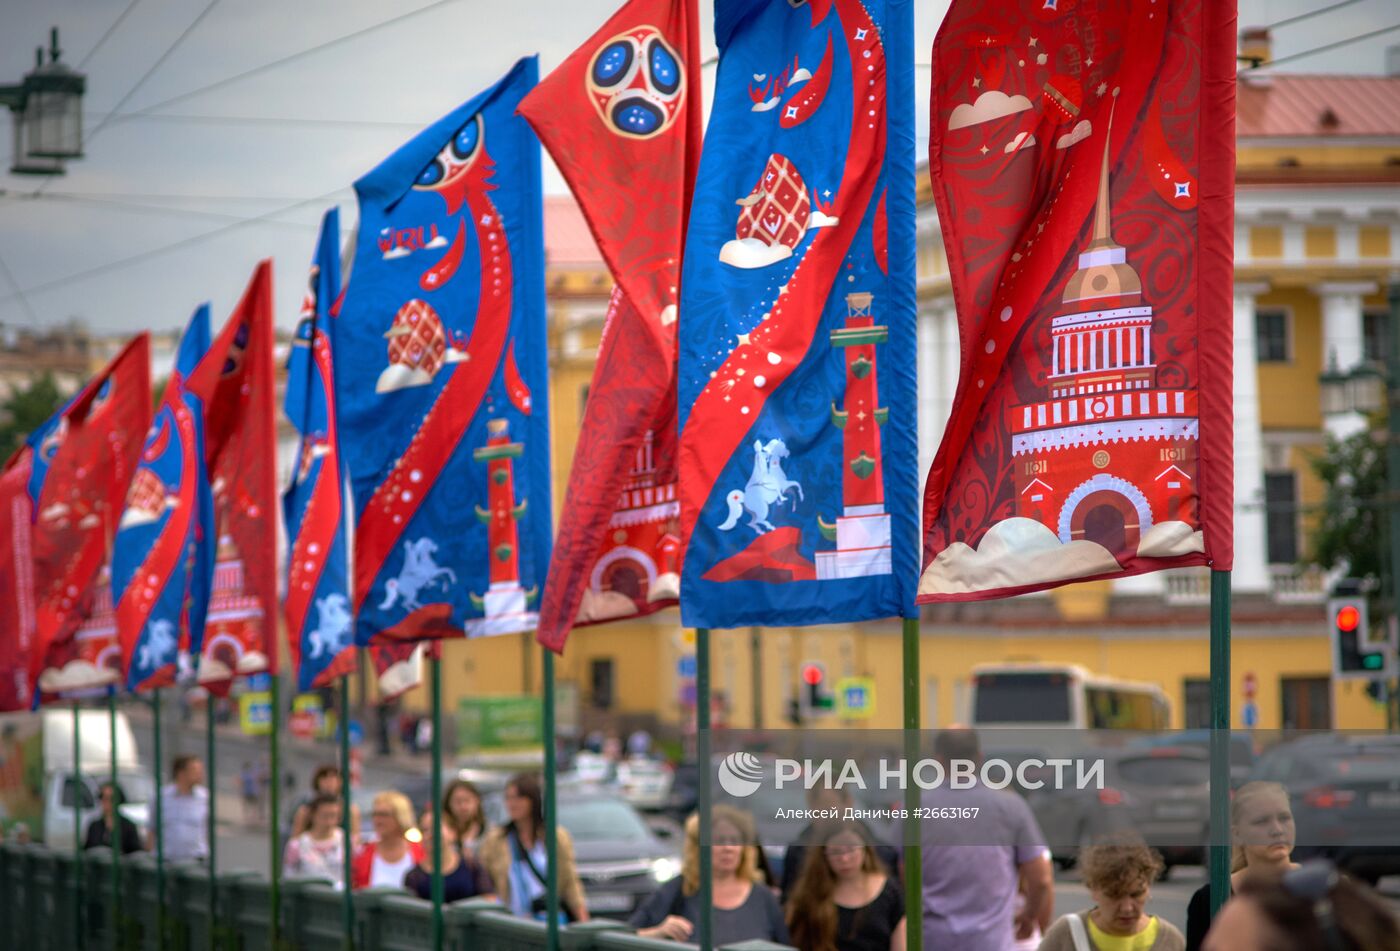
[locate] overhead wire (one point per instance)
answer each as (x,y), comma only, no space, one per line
(1309,14)
(108,35)
(1327,47)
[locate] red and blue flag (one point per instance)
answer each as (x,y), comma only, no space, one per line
(165,533)
(440,378)
(798,449)
(234,383)
(16,582)
(621,117)
(84,457)
(319,623)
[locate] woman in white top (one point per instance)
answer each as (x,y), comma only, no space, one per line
(385,861)
(319,851)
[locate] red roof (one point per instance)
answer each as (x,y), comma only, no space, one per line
(567,240)
(1298,106)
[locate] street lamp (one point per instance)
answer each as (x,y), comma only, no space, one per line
(47,113)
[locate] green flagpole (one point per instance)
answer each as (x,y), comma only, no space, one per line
(913,855)
(160,824)
(1219,739)
(274,827)
(78,828)
(702,793)
(348,903)
(551,837)
(115,916)
(436,785)
(213,832)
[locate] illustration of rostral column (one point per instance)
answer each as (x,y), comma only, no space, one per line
(504,604)
(862,531)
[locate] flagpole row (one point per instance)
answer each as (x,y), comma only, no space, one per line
(275,858)
(160,822)
(77,782)
(213,810)
(115,917)
(436,786)
(702,793)
(348,903)
(551,815)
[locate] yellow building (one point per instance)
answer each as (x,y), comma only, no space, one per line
(1317,238)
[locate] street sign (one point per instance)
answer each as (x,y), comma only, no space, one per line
(1250,685)
(1249,714)
(685,666)
(255,713)
(505,722)
(855,698)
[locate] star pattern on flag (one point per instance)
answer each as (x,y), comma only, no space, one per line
(1183,189)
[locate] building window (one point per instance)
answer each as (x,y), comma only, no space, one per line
(1196,705)
(1281,517)
(1271,331)
(1307,703)
(601,681)
(1375,337)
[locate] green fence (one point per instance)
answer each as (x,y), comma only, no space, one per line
(42,909)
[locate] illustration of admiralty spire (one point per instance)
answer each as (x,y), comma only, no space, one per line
(1073,473)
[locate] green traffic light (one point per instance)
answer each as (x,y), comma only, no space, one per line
(1372,661)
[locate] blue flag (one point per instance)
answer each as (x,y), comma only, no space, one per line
(798,450)
(440,378)
(163,556)
(318,577)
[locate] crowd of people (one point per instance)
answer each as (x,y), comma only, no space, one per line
(840,888)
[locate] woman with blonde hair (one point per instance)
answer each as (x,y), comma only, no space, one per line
(744,907)
(386,860)
(1261,842)
(844,899)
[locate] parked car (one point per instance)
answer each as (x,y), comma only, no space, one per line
(620,857)
(1161,793)
(1345,795)
(1241,749)
(645,783)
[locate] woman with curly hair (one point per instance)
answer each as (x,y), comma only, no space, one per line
(1119,875)
(844,899)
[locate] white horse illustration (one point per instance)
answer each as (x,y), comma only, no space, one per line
(158,645)
(419,571)
(332,632)
(768,486)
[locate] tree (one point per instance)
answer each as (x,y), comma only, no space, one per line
(1353,523)
(25,411)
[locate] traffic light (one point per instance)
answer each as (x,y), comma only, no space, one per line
(815,696)
(1355,654)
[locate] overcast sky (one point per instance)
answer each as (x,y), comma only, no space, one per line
(212,128)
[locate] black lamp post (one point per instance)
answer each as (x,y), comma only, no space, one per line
(47,112)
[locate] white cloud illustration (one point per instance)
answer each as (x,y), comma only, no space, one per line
(75,675)
(1081,131)
(1014,553)
(752,253)
(1169,539)
(992,104)
(1023,140)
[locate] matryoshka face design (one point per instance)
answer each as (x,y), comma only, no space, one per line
(447,173)
(637,83)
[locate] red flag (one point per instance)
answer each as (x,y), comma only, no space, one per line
(235,381)
(1082,157)
(16,583)
(621,118)
(83,462)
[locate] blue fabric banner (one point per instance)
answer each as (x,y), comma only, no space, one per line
(163,556)
(441,378)
(318,568)
(798,455)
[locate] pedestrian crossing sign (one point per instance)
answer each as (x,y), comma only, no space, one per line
(855,698)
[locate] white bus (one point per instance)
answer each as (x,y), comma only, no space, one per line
(1065,696)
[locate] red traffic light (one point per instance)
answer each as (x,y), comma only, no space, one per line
(812,674)
(1348,618)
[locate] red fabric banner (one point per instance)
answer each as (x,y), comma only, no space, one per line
(1082,157)
(235,381)
(621,118)
(85,461)
(16,583)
